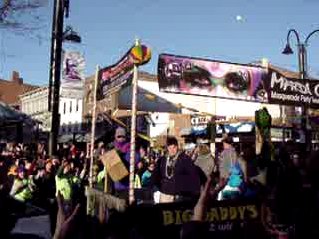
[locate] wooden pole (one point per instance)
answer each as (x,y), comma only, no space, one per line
(93,126)
(106,186)
(133,132)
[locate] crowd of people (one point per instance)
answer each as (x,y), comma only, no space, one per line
(56,184)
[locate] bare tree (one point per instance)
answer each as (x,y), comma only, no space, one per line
(21,15)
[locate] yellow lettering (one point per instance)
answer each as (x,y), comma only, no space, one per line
(187,215)
(232,213)
(168,217)
(253,210)
(178,217)
(223,213)
(241,210)
(212,215)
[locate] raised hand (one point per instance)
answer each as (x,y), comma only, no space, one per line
(201,206)
(65,223)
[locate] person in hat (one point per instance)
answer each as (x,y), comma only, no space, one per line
(122,147)
(120,140)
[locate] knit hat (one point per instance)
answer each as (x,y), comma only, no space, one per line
(21,169)
(120,132)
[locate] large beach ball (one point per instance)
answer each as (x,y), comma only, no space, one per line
(140,54)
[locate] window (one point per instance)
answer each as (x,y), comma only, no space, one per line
(64,107)
(70,106)
(77,105)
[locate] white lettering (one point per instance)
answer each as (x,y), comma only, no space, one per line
(285,97)
(286,84)
(306,99)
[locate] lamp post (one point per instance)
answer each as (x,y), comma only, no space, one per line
(302,63)
(60,8)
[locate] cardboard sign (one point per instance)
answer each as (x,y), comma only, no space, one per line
(114,165)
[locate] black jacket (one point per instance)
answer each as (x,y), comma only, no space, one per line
(186,179)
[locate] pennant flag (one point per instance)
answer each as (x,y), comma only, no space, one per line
(113,77)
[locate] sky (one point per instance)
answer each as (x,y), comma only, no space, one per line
(240,31)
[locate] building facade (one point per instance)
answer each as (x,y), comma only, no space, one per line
(71,108)
(35,104)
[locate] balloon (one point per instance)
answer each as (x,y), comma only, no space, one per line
(140,55)
(239,18)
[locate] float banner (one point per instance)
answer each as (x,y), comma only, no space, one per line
(73,69)
(287,91)
(177,74)
(223,219)
(111,78)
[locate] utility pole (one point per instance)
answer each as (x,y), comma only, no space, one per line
(302,62)
(51,58)
(56,54)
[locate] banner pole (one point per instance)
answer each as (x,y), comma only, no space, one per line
(93,126)
(133,131)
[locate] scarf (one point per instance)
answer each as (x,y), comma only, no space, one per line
(124,147)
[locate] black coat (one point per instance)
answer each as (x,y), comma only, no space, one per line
(186,179)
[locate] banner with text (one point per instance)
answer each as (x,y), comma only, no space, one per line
(113,77)
(287,91)
(187,75)
(225,219)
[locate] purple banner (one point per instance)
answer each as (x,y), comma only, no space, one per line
(73,69)
(177,74)
(211,78)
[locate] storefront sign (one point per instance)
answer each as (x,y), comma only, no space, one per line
(200,122)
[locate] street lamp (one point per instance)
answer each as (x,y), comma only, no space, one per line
(60,9)
(70,35)
(302,62)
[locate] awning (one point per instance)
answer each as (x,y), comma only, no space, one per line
(146,101)
(8,114)
(232,128)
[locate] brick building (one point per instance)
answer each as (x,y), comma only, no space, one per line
(11,89)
